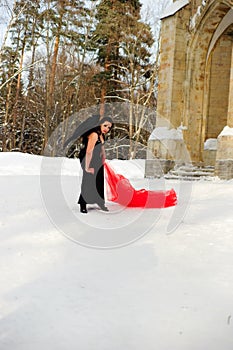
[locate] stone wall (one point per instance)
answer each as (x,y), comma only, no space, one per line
(224,157)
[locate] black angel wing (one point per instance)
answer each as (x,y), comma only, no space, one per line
(83,128)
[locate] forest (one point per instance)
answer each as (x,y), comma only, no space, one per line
(64,60)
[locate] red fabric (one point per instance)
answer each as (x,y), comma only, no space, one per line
(120,190)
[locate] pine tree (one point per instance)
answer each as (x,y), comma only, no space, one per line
(123,45)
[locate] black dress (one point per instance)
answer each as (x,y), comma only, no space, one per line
(92,187)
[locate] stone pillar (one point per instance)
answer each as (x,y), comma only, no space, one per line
(166,70)
(230,99)
(163,154)
(173,47)
(224,157)
(166,148)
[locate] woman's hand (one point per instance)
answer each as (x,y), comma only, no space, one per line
(90,170)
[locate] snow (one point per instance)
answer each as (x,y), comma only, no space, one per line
(227,131)
(155,290)
(210,144)
(194,18)
(164,133)
(172,8)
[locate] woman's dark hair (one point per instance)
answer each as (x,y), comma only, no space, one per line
(106,119)
(97,127)
(101,121)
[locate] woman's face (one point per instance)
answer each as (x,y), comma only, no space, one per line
(105,127)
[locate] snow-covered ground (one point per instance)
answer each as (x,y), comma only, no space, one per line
(128,279)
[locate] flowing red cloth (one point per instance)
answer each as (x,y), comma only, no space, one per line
(120,190)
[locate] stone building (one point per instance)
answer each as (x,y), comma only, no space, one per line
(195,89)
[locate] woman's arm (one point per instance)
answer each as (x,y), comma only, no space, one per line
(103,154)
(93,137)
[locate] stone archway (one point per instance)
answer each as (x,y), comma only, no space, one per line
(200,81)
(218,85)
(195,82)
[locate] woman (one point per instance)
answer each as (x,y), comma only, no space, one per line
(92,157)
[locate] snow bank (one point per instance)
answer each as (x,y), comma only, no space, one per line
(134,168)
(164,133)
(210,144)
(71,297)
(16,163)
(227,131)
(164,291)
(173,7)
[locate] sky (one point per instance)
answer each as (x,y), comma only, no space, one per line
(116,280)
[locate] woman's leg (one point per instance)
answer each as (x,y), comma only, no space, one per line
(83,204)
(100,188)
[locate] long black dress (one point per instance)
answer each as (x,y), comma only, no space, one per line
(92,188)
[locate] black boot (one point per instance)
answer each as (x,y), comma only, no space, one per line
(83,204)
(83,208)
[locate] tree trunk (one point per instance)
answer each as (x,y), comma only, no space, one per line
(51,74)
